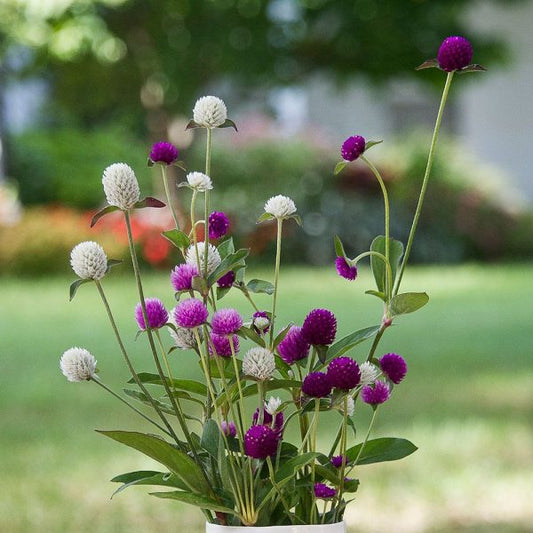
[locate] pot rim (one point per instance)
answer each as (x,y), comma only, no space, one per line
(317,528)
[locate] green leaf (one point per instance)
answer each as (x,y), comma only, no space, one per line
(408,302)
(149,163)
(181,165)
(228,124)
(378,266)
(430,63)
(75,285)
(103,212)
(222,291)
(210,438)
(380,295)
(149,202)
(176,461)
(194,499)
(264,217)
(322,352)
(260,286)
(297,219)
(381,450)
(339,167)
(370,144)
(191,125)
(230,262)
(351,340)
(147,477)
(251,334)
(282,334)
(289,469)
(112,263)
(472,68)
(188,385)
(339,248)
(273,384)
(226,247)
(141,397)
(177,238)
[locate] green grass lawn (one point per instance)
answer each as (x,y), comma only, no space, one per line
(467,402)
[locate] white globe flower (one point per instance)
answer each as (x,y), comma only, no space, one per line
(88,260)
(259,363)
(209,112)
(199,181)
(350,406)
(261,322)
(121,186)
(184,338)
(78,364)
(213,257)
(369,373)
(280,206)
(272,406)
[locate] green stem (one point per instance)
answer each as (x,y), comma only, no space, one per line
(278,489)
(206,197)
(427,172)
(386,262)
(194,235)
(276,280)
(167,193)
(343,454)
(313,449)
(365,441)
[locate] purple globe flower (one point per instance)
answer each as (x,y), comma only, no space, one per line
(218,224)
(376,394)
(338,460)
(393,366)
(319,327)
(293,347)
(191,313)
(155,311)
(226,321)
(181,276)
(455,53)
(353,147)
(344,373)
(323,492)
(228,428)
(226,280)
(260,442)
(316,384)
(261,322)
(267,421)
(163,152)
(222,345)
(344,269)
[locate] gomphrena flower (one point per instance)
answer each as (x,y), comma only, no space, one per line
(323,492)
(155,311)
(190,313)
(338,460)
(293,347)
(226,321)
(319,327)
(376,394)
(222,345)
(272,406)
(344,269)
(213,257)
(344,373)
(455,53)
(88,260)
(164,152)
(184,338)
(259,363)
(181,276)
(275,421)
(260,442)
(369,373)
(393,366)
(353,147)
(261,322)
(218,223)
(226,280)
(120,186)
(78,364)
(209,112)
(316,384)
(350,406)
(280,206)
(228,428)
(199,181)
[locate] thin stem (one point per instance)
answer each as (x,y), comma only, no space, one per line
(343,453)
(386,262)
(365,441)
(313,449)
(276,281)
(261,400)
(132,407)
(240,406)
(167,193)
(278,489)
(194,235)
(206,197)
(376,342)
(427,172)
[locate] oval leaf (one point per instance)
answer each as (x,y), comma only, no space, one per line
(348,342)
(194,499)
(339,167)
(259,285)
(75,285)
(177,238)
(381,450)
(103,212)
(408,302)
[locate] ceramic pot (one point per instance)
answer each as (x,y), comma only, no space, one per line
(339,527)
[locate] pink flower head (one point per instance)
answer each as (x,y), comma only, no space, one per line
(344,373)
(222,345)
(226,321)
(338,460)
(164,152)
(353,147)
(293,347)
(260,442)
(155,311)
(218,224)
(376,394)
(316,384)
(323,492)
(455,53)
(227,279)
(191,313)
(344,269)
(181,276)
(319,327)
(393,366)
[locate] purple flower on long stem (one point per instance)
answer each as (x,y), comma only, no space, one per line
(319,327)
(455,53)
(293,347)
(226,280)
(260,442)
(181,276)
(344,269)
(155,311)
(164,152)
(190,313)
(218,223)
(323,492)
(226,321)
(222,345)
(353,147)
(344,373)
(376,394)
(393,366)
(316,384)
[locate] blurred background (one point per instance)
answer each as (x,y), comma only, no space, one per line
(85,83)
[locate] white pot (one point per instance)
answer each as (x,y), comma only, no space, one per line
(339,527)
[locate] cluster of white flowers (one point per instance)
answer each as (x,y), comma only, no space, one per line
(280,206)
(88,260)
(209,112)
(369,373)
(121,186)
(184,338)
(78,364)
(213,257)
(272,406)
(199,181)
(259,363)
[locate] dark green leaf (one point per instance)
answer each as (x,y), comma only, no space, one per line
(228,263)
(226,247)
(147,477)
(378,266)
(210,438)
(149,202)
(339,167)
(177,238)
(141,397)
(228,124)
(75,285)
(282,334)
(288,470)
(339,248)
(408,302)
(150,163)
(322,352)
(381,450)
(348,342)
(194,499)
(222,291)
(430,63)
(103,212)
(259,285)
(188,385)
(252,335)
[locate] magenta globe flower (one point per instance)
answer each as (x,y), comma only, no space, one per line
(293,347)
(316,385)
(344,373)
(323,492)
(222,346)
(353,147)
(455,53)
(260,442)
(164,152)
(155,311)
(190,313)
(319,327)
(344,269)
(226,280)
(268,419)
(376,394)
(393,366)
(226,322)
(181,277)
(218,223)
(338,460)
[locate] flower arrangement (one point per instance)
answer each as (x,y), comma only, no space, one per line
(234,460)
